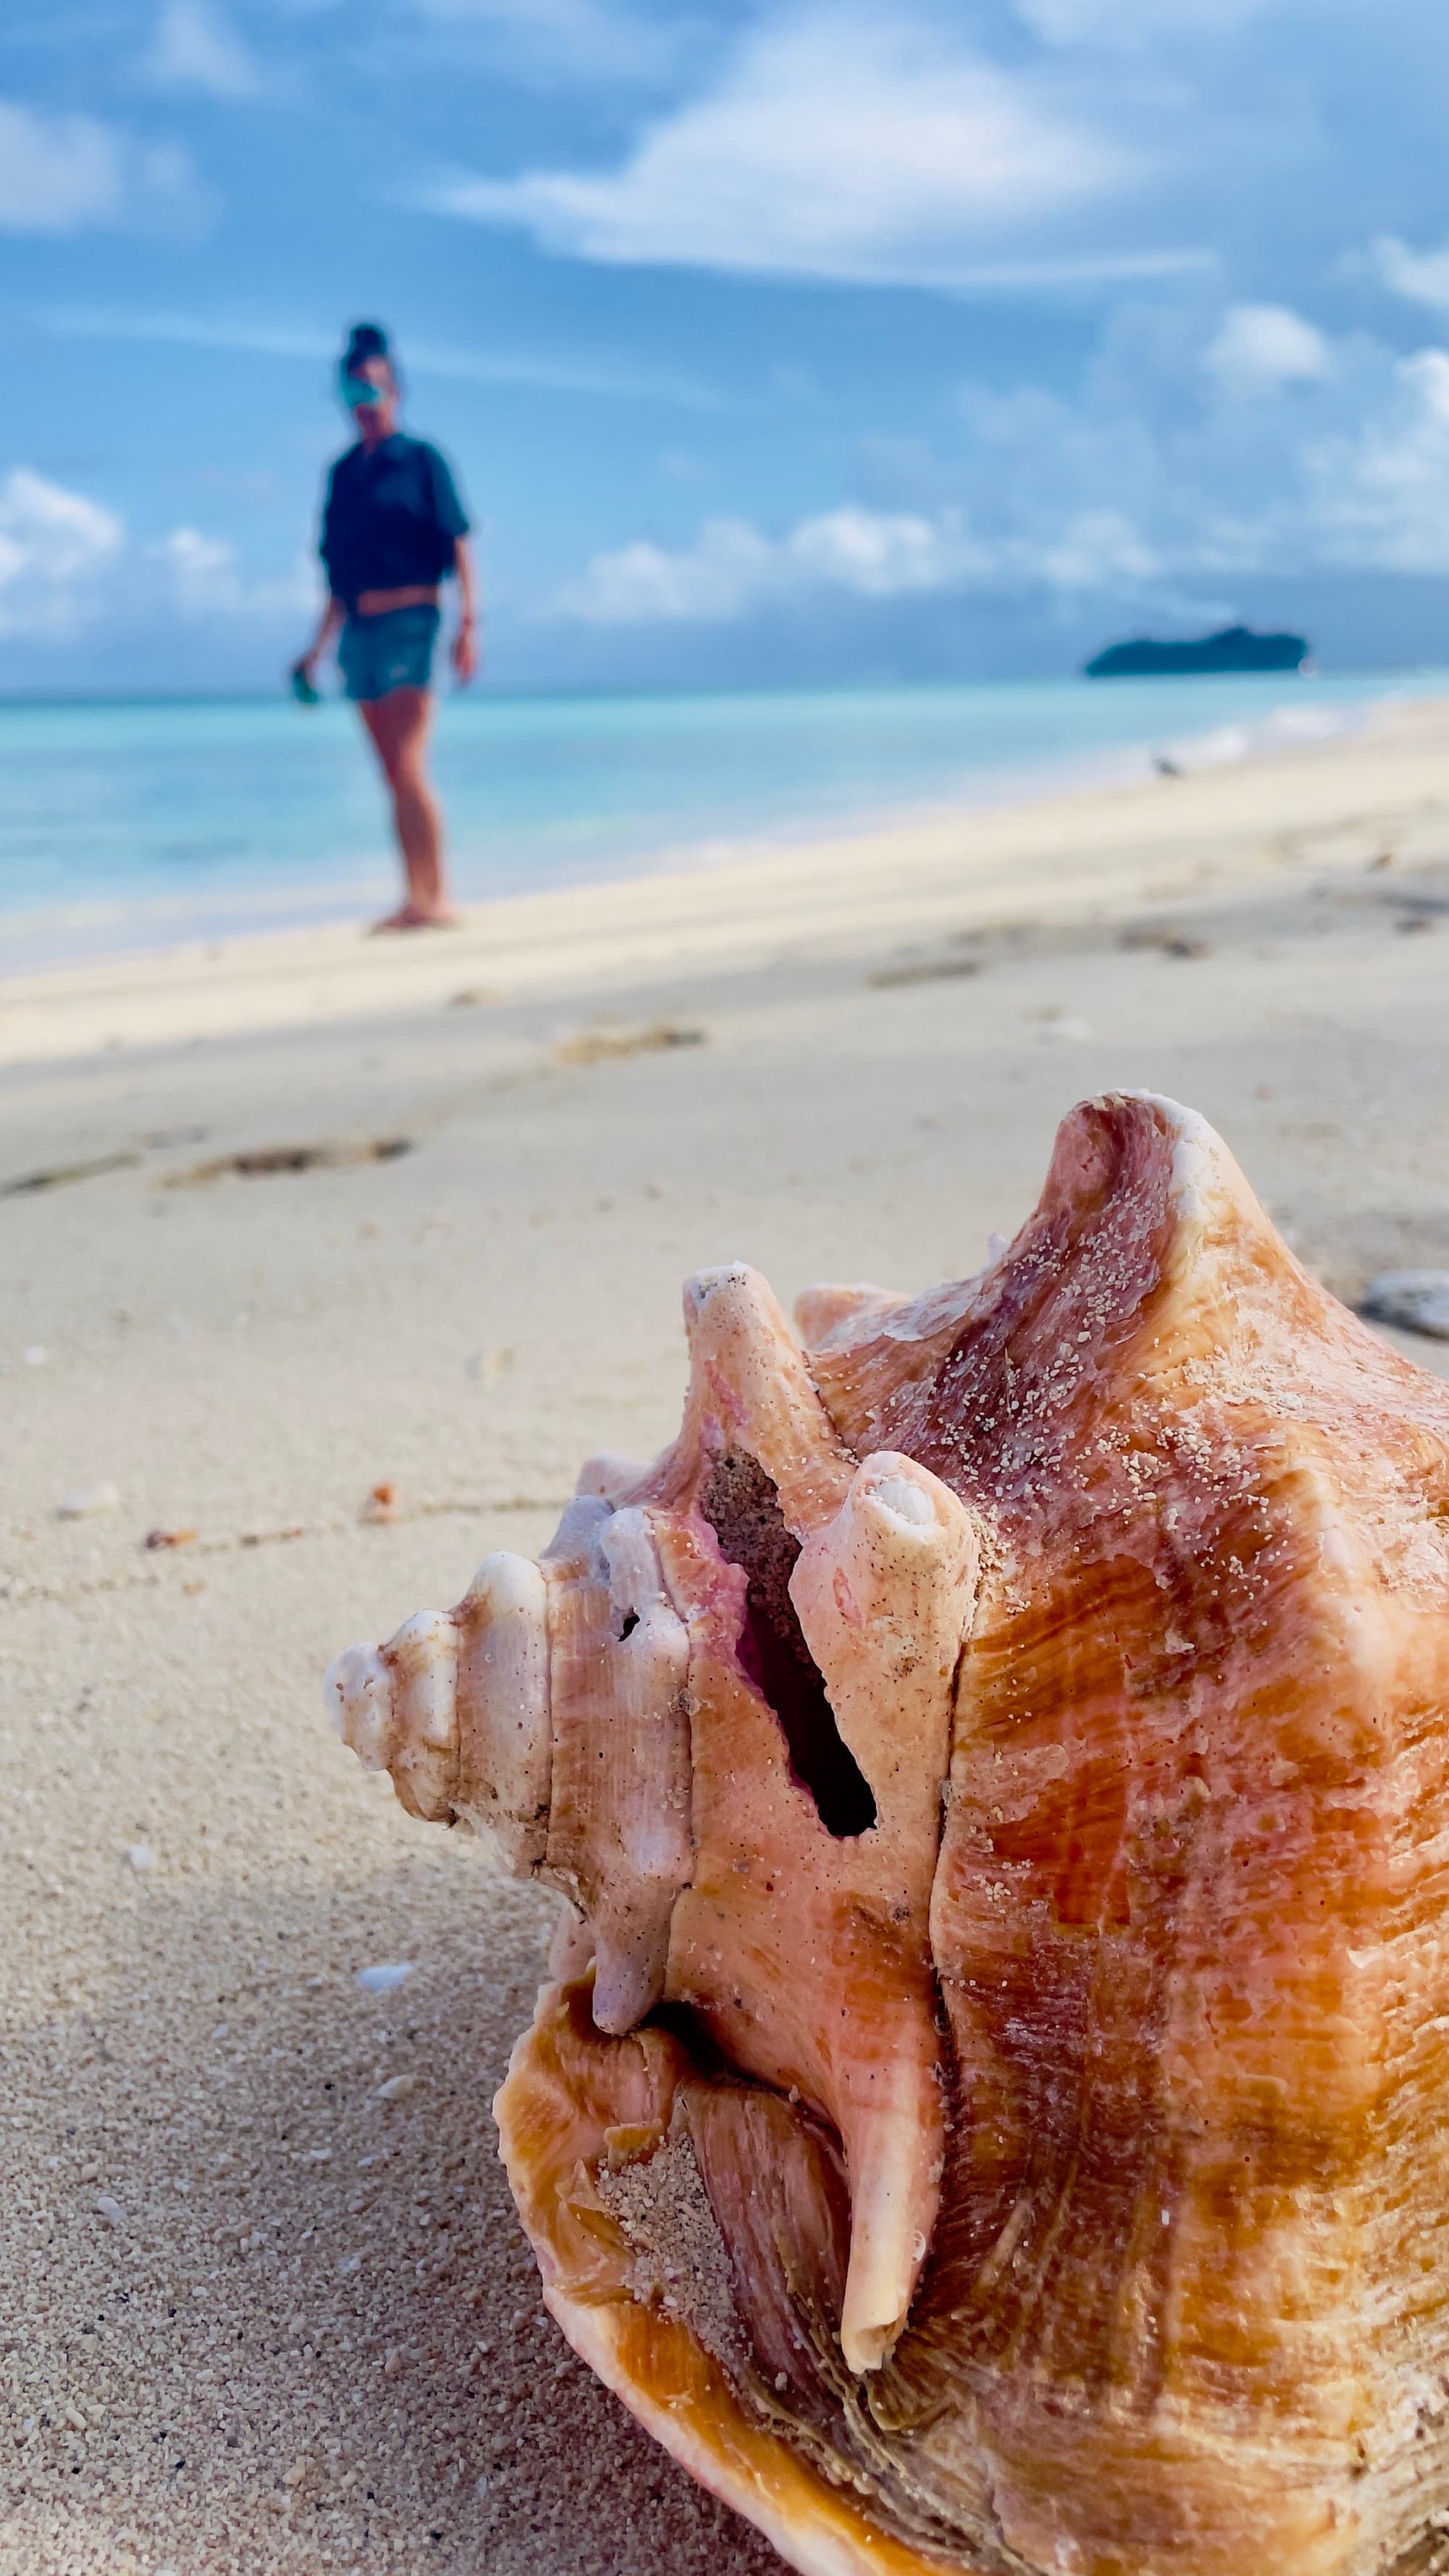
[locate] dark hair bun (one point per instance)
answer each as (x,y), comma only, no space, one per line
(366,340)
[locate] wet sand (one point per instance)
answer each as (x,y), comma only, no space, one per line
(266,2305)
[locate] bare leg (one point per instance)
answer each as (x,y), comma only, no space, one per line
(399,725)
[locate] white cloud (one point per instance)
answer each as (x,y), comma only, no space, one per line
(202,579)
(878,554)
(1347,469)
(1378,492)
(67,562)
(1093,550)
(734,569)
(54,546)
(58,174)
(1421,277)
(71,174)
(195,47)
(837,144)
(557,42)
(647,585)
(1261,347)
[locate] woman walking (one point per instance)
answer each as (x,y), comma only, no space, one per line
(393,530)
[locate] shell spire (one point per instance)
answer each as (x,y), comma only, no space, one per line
(1009,1731)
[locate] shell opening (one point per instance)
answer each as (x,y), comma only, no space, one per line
(742,1506)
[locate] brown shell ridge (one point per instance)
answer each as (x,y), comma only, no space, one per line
(772,1987)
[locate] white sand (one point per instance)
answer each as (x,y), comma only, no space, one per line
(316,2329)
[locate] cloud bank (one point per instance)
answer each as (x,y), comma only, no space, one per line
(68,563)
(1289,454)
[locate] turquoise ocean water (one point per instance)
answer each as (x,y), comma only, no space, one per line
(148,823)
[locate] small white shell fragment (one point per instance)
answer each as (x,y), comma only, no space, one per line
(110,2210)
(85,1502)
(397,2088)
(1416,1300)
(382,1979)
(140,1856)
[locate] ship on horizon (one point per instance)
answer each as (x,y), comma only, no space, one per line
(1233,648)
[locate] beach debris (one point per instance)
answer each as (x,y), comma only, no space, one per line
(1166,942)
(379,1504)
(140,1856)
(87,1502)
(974,1757)
(490,1364)
(163,1538)
(1416,1300)
(1376,866)
(109,2208)
(397,2088)
(472,998)
(383,1979)
(922,970)
(600,1043)
(261,1161)
(56,1176)
(1065,1026)
(1411,921)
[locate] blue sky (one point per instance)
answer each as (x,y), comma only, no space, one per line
(786,342)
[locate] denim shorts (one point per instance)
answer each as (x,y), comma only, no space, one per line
(394,651)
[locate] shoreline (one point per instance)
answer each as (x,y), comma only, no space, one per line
(100,928)
(942,871)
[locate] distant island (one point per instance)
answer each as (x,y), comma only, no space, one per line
(1236,648)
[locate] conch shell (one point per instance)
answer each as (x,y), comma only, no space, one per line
(992,2115)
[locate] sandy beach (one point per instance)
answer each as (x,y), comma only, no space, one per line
(290,1219)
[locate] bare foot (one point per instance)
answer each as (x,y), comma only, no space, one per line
(416,916)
